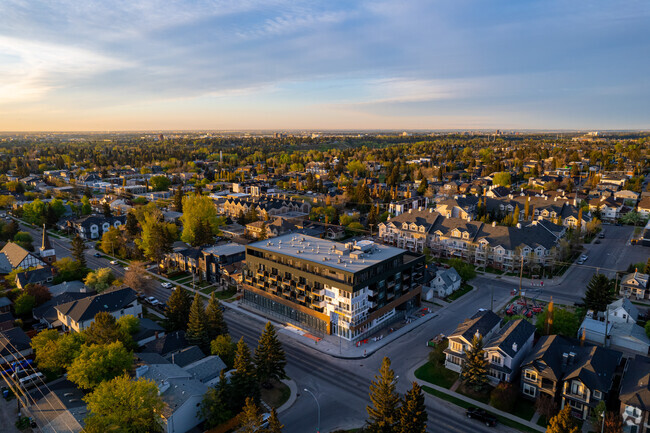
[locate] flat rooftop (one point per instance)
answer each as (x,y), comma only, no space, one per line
(225,250)
(350,257)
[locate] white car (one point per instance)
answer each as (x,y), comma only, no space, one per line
(113,262)
(166,285)
(153,301)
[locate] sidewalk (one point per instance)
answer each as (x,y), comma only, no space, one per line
(526,282)
(529,424)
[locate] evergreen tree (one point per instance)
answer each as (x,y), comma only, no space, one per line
(263,232)
(131,223)
(269,356)
(178,199)
(413,413)
(78,248)
(382,415)
(244,379)
(563,422)
(216,403)
(600,293)
(214,318)
(178,310)
(274,423)
(423,186)
(106,209)
(197,332)
(474,369)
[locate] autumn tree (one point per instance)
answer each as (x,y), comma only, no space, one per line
(138,278)
(100,280)
(40,293)
(249,419)
(563,422)
(384,412)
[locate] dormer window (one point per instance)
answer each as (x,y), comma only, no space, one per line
(405,226)
(465,235)
(421,229)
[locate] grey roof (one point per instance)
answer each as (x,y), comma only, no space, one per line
(635,385)
(626,304)
(67,286)
(13,340)
(151,358)
(514,332)
(482,321)
(593,365)
(182,385)
(5,301)
(316,250)
(186,356)
(33,276)
(206,369)
(147,328)
(47,310)
(172,342)
(225,250)
(5,317)
(448,276)
(86,308)
(60,408)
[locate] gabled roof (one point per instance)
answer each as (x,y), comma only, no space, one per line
(635,385)
(47,311)
(625,304)
(13,340)
(14,253)
(38,275)
(595,367)
(186,356)
(172,342)
(482,322)
(512,337)
(86,308)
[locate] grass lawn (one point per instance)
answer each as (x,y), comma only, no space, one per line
(177,278)
(436,374)
(464,404)
(226,294)
(276,396)
(492,270)
(208,290)
(464,288)
(542,422)
(524,409)
(483,397)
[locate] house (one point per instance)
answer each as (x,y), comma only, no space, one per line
(573,374)
(180,392)
(277,227)
(39,275)
(628,337)
(58,408)
(626,194)
(444,283)
(644,207)
(68,286)
(78,315)
(94,226)
(507,349)
(14,345)
(483,324)
(13,256)
(635,396)
(5,304)
(401,206)
(621,310)
(148,330)
(6,321)
(635,285)
(47,314)
(170,343)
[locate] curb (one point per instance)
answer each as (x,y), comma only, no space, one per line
(292,397)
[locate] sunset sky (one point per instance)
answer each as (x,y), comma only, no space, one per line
(274,64)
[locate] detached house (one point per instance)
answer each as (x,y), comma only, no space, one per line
(77,315)
(483,324)
(507,349)
(574,375)
(635,285)
(94,226)
(635,396)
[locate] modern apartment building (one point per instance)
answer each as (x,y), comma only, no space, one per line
(346,289)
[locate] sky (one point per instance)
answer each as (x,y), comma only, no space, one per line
(70,65)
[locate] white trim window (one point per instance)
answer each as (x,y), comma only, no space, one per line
(531,375)
(529,390)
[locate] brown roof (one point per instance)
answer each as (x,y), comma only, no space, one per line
(14,253)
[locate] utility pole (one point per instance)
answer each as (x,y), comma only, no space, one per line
(521,273)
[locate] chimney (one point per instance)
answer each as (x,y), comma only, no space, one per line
(572,357)
(514,347)
(565,359)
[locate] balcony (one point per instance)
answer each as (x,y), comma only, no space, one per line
(273,277)
(300,287)
(319,304)
(249,280)
(260,274)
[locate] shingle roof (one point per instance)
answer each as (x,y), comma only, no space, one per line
(37,275)
(47,311)
(14,253)
(482,321)
(172,342)
(13,340)
(186,356)
(206,369)
(635,385)
(514,332)
(86,308)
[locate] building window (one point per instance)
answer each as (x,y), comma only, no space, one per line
(530,375)
(496,359)
(575,404)
(598,394)
(529,390)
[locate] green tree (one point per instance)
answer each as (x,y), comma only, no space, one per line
(197,332)
(86,208)
(600,293)
(131,223)
(178,310)
(156,237)
(113,243)
(647,328)
(413,413)
(244,379)
(124,405)
(270,359)
(99,363)
(24,304)
(215,406)
(563,422)
(502,179)
(78,247)
(474,368)
(68,270)
(25,240)
(384,412)
(199,210)
(54,351)
(249,418)
(565,322)
(100,280)
(105,330)
(160,183)
(216,325)
(129,324)
(106,210)
(224,348)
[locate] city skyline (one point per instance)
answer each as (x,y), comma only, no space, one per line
(251,65)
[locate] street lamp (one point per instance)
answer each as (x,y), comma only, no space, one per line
(318,406)
(602,427)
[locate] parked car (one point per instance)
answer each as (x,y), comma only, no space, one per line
(601,235)
(597,241)
(481,415)
(113,262)
(166,285)
(97,255)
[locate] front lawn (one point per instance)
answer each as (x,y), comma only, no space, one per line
(436,374)
(276,396)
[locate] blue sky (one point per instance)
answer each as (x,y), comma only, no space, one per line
(275,64)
